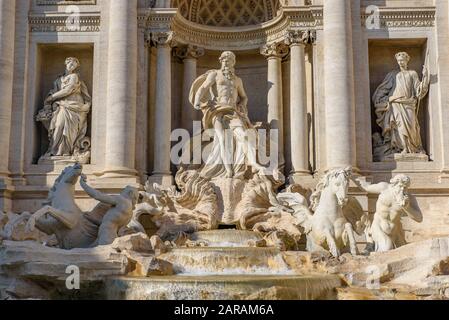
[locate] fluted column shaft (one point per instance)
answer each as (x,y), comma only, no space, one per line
(122,88)
(339,84)
(189,55)
(274,54)
(162,125)
(7,32)
(298,103)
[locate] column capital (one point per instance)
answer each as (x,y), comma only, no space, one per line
(300,37)
(274,50)
(188,52)
(161,38)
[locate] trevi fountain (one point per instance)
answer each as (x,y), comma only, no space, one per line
(224,150)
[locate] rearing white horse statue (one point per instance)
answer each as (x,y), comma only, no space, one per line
(331,226)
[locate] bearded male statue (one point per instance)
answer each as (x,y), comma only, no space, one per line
(394,201)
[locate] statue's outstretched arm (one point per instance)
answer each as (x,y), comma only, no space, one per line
(96,194)
(369,187)
(413,210)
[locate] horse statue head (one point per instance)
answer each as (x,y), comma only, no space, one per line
(68,177)
(335,182)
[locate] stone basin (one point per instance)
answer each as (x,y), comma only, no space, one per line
(243,287)
(227,253)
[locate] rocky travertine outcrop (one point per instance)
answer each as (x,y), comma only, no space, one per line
(417,270)
(30,270)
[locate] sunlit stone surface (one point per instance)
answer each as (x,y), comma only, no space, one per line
(350,97)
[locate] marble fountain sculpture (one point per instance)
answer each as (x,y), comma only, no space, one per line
(65,117)
(397,102)
(229,229)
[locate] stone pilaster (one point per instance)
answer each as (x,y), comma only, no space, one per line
(189,55)
(339,84)
(274,53)
(297,40)
(7,35)
(163,125)
(442,32)
(7,31)
(20,92)
(122,89)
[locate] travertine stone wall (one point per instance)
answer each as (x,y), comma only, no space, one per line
(343,65)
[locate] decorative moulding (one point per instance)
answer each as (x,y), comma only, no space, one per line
(58,23)
(65,3)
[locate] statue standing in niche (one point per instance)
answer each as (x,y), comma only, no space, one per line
(222,98)
(397,102)
(65,115)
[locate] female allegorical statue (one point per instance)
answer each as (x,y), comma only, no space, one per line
(396,103)
(64,115)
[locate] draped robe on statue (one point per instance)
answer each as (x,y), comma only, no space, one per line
(396,101)
(232,118)
(68,126)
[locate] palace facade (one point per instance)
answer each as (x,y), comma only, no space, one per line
(310,69)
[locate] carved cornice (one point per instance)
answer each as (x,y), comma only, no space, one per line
(65,2)
(63,23)
(291,18)
(304,17)
(404,18)
(160,19)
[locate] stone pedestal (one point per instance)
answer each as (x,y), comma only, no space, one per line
(409,157)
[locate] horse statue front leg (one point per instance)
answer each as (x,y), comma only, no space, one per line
(350,234)
(332,244)
(9,228)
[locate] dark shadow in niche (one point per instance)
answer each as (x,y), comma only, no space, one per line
(310,132)
(382,61)
(50,65)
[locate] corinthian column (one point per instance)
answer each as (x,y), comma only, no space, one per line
(122,89)
(189,55)
(298,102)
(7,32)
(162,125)
(339,84)
(274,54)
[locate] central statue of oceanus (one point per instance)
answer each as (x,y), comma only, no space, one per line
(221,96)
